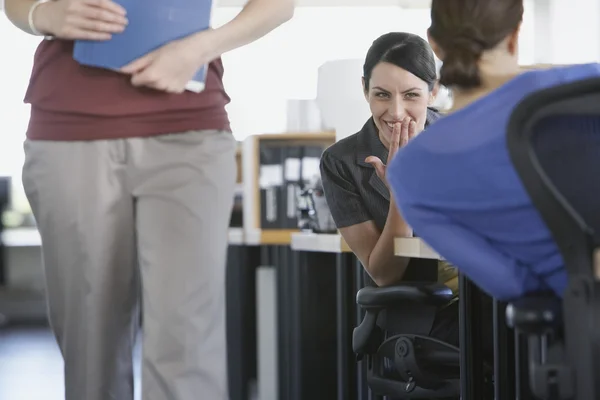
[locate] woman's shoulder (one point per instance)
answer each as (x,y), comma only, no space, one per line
(343,150)
(433,114)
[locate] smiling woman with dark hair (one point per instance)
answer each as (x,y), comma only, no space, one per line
(400,61)
(400,83)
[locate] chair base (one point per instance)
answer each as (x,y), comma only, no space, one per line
(404,390)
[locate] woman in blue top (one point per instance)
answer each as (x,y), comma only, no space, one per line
(455,183)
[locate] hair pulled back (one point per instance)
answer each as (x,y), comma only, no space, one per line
(404,50)
(465,29)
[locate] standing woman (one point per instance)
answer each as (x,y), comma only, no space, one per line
(399,82)
(126,170)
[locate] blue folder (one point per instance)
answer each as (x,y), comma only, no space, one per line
(152,23)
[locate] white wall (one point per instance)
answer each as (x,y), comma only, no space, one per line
(567,32)
(284,65)
(261,76)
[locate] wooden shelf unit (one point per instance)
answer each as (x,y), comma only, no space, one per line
(250,162)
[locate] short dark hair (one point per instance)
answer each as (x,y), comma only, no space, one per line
(404,50)
(464,29)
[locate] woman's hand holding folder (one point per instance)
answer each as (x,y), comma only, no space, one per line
(80,19)
(170,67)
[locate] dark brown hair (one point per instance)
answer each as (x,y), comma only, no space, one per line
(404,50)
(464,29)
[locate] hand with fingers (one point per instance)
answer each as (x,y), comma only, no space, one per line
(402,133)
(80,19)
(170,67)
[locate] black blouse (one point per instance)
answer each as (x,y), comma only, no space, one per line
(355,194)
(353,190)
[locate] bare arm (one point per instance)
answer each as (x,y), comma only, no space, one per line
(257,18)
(69,19)
(171,66)
(375,249)
(17,12)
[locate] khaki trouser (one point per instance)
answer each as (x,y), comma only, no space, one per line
(110,212)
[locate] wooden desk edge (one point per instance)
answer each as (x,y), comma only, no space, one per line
(414,247)
(316,243)
(277,236)
(30,237)
(345,247)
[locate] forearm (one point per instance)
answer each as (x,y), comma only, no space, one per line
(17,11)
(384,267)
(257,18)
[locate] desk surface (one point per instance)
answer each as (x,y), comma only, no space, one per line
(30,237)
(21,237)
(319,242)
(414,247)
(334,243)
(258,237)
(300,241)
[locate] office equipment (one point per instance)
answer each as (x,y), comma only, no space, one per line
(271,184)
(286,167)
(341,98)
(272,165)
(292,159)
(553,139)
(152,23)
(313,212)
(301,167)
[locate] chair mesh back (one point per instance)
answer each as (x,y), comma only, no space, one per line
(568,150)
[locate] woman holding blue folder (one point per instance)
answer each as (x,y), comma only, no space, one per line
(131,181)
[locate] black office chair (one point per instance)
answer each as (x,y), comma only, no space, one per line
(554,142)
(402,361)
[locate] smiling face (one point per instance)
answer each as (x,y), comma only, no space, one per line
(393,94)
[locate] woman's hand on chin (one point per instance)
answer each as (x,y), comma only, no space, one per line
(402,133)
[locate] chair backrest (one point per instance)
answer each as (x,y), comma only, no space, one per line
(553,139)
(554,142)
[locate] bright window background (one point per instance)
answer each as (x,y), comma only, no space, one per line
(262,76)
(15,66)
(259,77)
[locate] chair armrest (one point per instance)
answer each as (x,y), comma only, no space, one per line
(415,292)
(535,314)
